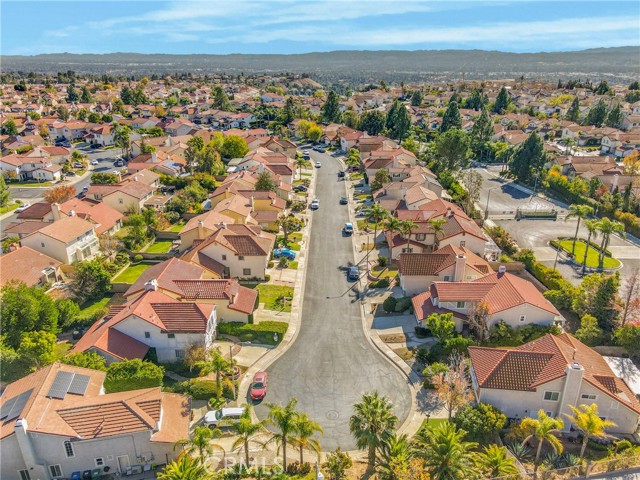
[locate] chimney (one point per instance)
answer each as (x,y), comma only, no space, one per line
(55,211)
(135,178)
(154,157)
(460,267)
(501,270)
(449,212)
(200,230)
(252,204)
(614,184)
(72,213)
(151,285)
(572,385)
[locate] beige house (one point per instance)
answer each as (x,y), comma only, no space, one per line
(552,373)
(503,296)
(58,421)
(129,197)
(233,251)
(29,266)
(200,227)
(448,264)
(70,239)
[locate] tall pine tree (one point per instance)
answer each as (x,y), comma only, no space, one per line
(331,109)
(597,114)
(502,101)
(481,133)
(614,118)
(529,158)
(398,121)
(451,118)
(573,114)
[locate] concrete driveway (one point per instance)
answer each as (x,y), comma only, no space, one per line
(331,364)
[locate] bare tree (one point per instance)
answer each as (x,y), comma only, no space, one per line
(108,245)
(473,184)
(453,388)
(630,294)
(478,314)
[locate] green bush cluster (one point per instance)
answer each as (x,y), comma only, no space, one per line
(382,283)
(503,335)
(561,292)
(397,305)
(202,389)
(132,375)
(481,421)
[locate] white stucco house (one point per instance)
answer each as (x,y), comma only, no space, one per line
(552,373)
(58,422)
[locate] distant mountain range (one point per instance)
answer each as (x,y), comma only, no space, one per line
(619,64)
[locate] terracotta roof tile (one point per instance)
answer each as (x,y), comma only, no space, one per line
(25,265)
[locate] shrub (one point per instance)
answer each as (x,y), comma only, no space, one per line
(480,421)
(503,240)
(403,304)
(382,261)
(389,305)
(283,262)
(138,258)
(382,283)
(132,375)
(202,389)
(433,370)
(422,332)
(172,217)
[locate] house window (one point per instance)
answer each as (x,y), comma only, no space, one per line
(120,200)
(171,335)
(180,354)
(147,334)
(407,250)
(224,257)
(447,278)
(421,236)
(24,475)
(42,244)
(462,243)
(460,304)
(246,271)
(614,405)
(68,448)
(55,470)
(99,461)
(240,257)
(588,396)
(523,318)
(552,396)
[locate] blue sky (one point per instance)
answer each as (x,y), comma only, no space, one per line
(299,26)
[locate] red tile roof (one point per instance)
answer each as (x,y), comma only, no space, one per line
(543,360)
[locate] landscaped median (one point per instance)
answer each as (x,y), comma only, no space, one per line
(593,253)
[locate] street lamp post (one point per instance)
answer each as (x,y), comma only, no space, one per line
(486,208)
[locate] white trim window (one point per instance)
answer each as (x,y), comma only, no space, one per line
(24,474)
(68,449)
(55,471)
(588,396)
(551,396)
(99,461)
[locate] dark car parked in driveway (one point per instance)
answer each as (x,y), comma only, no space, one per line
(353,273)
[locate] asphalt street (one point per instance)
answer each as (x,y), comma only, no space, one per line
(331,364)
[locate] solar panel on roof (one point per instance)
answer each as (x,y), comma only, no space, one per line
(14,406)
(79,384)
(60,385)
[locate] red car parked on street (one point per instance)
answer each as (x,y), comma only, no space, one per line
(259,386)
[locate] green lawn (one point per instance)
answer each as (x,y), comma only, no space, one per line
(271,296)
(122,232)
(131,274)
(31,184)
(295,237)
(293,265)
(177,227)
(432,422)
(9,208)
(592,254)
(91,307)
(160,246)
(387,273)
(255,332)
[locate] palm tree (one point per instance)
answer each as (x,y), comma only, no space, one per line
(568,143)
(394,457)
(494,462)
(300,162)
(592,227)
(407,226)
(544,428)
(586,419)
(376,213)
(606,228)
(437,224)
(184,468)
(579,212)
(200,442)
(372,420)
(216,363)
(245,429)
(305,428)
(284,418)
(446,454)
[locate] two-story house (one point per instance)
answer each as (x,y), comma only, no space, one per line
(68,240)
(552,373)
(59,420)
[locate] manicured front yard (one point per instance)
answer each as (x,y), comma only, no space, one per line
(9,208)
(272,296)
(293,265)
(177,227)
(592,254)
(432,422)
(160,246)
(132,273)
(31,184)
(262,332)
(384,272)
(92,307)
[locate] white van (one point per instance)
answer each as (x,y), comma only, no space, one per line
(227,415)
